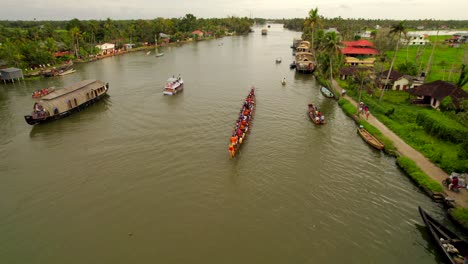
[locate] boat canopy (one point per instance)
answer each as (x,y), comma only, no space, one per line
(77,93)
(172,79)
(90,84)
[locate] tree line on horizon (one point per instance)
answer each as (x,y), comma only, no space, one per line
(27,44)
(348,26)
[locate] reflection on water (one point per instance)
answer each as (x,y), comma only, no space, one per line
(57,127)
(158,167)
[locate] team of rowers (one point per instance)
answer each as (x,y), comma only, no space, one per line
(41,92)
(242,123)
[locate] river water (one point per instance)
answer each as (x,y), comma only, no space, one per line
(146,178)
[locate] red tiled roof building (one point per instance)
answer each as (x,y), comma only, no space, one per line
(359,53)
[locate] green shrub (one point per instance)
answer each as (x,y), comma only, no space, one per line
(417,175)
(440,126)
(347,106)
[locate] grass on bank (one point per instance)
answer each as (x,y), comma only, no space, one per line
(351,110)
(417,175)
(461,214)
(446,60)
(400,116)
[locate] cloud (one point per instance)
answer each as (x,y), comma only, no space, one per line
(148,9)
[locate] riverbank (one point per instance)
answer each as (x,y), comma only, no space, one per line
(427,167)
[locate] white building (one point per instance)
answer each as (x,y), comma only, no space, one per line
(106,48)
(415,39)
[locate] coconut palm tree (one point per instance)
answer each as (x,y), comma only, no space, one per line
(361,77)
(76,34)
(463,79)
(314,20)
(333,47)
(396,29)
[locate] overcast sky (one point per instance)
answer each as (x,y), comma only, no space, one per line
(148,9)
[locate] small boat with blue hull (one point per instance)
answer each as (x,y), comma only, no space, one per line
(326,92)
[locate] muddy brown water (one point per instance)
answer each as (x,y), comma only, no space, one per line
(143,178)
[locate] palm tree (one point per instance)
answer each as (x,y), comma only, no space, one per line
(76,34)
(429,62)
(361,77)
(333,47)
(463,79)
(314,20)
(396,29)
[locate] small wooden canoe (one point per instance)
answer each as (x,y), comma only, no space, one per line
(371,140)
(453,247)
(326,92)
(312,115)
(70,71)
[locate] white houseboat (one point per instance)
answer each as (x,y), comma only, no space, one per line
(173,86)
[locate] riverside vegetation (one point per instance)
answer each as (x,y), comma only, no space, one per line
(28,44)
(441,136)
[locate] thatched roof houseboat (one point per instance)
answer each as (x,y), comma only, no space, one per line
(304,46)
(305,62)
(304,58)
(62,102)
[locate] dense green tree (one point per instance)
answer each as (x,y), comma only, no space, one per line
(75,36)
(332,45)
(11,53)
(313,21)
(362,78)
(408,68)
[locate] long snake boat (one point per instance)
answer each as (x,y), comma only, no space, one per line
(243,123)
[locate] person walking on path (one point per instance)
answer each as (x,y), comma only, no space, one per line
(404,149)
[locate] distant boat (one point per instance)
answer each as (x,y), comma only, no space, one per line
(269,26)
(283,82)
(292,65)
(156,48)
(148,53)
(326,92)
(264,31)
(173,86)
(304,58)
(278,60)
(70,71)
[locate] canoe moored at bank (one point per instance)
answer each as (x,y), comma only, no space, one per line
(454,247)
(65,101)
(371,140)
(326,92)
